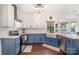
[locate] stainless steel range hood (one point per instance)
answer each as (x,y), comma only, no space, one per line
(15,14)
(16,19)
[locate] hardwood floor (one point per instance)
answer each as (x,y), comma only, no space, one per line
(40,50)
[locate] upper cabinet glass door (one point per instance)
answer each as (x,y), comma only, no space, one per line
(64,26)
(73,26)
(50,27)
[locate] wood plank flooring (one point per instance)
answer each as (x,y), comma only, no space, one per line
(40,50)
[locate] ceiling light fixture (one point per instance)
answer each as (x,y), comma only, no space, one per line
(39,9)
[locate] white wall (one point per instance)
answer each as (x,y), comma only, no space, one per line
(3,31)
(30,19)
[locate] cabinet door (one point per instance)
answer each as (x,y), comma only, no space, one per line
(70,47)
(69,43)
(42,38)
(3,14)
(36,38)
(4,47)
(76,45)
(6,15)
(10,15)
(52,41)
(30,39)
(47,40)
(8,46)
(11,47)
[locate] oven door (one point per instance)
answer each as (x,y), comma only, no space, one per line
(23,42)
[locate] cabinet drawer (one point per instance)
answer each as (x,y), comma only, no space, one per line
(69,43)
(17,50)
(18,45)
(17,41)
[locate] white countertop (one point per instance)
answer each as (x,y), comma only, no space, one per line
(52,35)
(9,36)
(73,36)
(36,33)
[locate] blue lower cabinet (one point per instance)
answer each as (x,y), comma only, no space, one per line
(52,41)
(39,38)
(10,46)
(71,51)
(36,38)
(76,44)
(70,47)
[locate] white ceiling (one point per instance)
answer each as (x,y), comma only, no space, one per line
(62,11)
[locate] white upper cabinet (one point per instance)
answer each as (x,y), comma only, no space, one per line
(6,15)
(10,15)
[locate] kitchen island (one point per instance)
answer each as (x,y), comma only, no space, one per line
(9,45)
